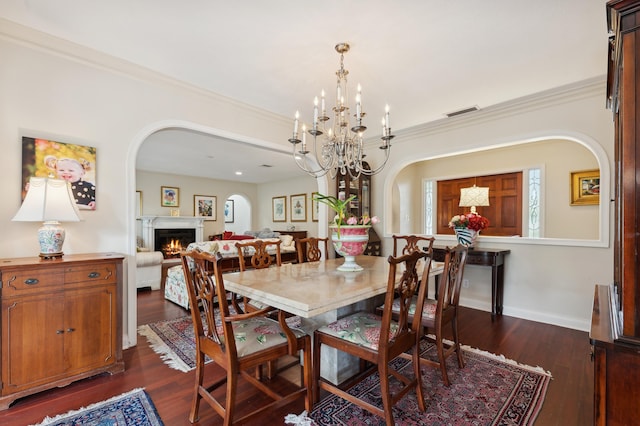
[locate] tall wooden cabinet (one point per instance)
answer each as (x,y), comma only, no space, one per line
(615,322)
(347,186)
(61,321)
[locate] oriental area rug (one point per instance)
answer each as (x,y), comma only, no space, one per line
(174,341)
(133,408)
(489,390)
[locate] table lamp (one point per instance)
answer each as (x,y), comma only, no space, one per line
(474,196)
(49,201)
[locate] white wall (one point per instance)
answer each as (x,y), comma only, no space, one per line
(54,89)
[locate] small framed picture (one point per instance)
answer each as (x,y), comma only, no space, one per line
(298,207)
(205,206)
(315,207)
(279,209)
(585,187)
(169,196)
(138,204)
(228,211)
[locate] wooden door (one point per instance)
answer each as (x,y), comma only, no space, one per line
(90,324)
(32,341)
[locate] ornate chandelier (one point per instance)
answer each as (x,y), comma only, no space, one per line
(337,146)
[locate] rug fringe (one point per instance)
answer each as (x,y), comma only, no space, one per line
(160,347)
(302,419)
(48,420)
(501,358)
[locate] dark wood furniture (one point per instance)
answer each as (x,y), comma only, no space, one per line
(411,243)
(485,257)
(380,352)
(616,342)
(309,249)
(61,321)
(347,186)
(297,235)
(238,357)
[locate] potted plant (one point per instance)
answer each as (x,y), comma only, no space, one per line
(349,235)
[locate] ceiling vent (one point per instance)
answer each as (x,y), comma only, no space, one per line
(266,165)
(462,111)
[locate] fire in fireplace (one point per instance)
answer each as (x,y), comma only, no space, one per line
(171,241)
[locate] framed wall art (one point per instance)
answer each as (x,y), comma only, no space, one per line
(315,207)
(169,196)
(73,163)
(228,211)
(298,207)
(205,206)
(138,204)
(585,187)
(279,209)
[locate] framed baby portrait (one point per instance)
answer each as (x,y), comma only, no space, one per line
(74,163)
(205,206)
(169,196)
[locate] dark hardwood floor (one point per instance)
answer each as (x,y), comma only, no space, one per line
(563,352)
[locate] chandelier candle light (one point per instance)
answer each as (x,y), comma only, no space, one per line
(341,146)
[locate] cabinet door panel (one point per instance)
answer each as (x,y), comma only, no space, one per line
(90,322)
(32,341)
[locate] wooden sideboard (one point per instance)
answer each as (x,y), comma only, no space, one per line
(61,321)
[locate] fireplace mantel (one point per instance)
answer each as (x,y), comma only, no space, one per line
(150,223)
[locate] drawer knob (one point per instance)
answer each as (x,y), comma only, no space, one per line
(31,281)
(94,274)
(70,330)
(59,331)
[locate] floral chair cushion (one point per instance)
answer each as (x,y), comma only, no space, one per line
(361,328)
(255,334)
(428,310)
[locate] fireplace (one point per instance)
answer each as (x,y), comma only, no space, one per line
(171,241)
(151,224)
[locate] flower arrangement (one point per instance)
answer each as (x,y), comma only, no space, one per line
(340,207)
(471,221)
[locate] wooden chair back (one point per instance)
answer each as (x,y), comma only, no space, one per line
(215,338)
(259,257)
(309,249)
(450,282)
(411,243)
(394,337)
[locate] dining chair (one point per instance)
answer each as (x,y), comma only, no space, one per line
(238,343)
(411,243)
(443,311)
(255,254)
(380,339)
(309,249)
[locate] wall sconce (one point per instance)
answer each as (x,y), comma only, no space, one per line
(49,201)
(474,196)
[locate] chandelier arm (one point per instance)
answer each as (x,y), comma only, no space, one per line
(301,161)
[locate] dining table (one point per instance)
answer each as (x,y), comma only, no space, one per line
(320,294)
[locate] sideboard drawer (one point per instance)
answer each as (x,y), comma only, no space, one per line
(103,273)
(19,281)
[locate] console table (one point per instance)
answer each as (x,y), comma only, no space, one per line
(485,257)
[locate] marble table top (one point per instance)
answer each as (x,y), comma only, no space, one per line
(313,288)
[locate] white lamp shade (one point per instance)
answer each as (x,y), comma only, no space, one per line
(48,200)
(474,196)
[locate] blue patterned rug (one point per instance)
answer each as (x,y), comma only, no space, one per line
(133,408)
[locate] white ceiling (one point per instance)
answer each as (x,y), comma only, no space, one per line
(424,58)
